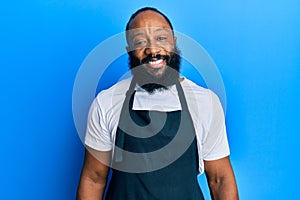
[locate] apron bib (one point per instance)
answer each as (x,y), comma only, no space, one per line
(177,180)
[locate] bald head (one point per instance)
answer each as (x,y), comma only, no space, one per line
(128,26)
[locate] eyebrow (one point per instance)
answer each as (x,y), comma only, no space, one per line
(138,33)
(161,29)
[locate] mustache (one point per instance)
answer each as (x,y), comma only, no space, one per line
(157,57)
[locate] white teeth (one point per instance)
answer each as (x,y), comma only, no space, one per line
(155,62)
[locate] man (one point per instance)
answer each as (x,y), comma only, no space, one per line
(156,131)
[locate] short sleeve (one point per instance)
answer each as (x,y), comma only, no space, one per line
(215,145)
(97,133)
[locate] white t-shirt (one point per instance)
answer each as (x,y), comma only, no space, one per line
(204,106)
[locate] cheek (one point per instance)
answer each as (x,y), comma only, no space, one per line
(139,54)
(170,48)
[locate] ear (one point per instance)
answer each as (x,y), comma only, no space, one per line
(175,40)
(127,49)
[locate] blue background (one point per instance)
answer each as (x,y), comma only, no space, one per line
(255,44)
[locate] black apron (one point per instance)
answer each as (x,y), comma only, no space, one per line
(177,180)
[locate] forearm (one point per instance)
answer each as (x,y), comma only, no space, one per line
(90,190)
(223,189)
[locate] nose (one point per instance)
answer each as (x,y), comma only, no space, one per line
(152,49)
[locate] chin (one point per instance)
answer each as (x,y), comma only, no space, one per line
(156,72)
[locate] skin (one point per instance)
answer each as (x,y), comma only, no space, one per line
(150,34)
(94,175)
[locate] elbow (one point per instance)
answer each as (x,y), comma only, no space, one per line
(216,183)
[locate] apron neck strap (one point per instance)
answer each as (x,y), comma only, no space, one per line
(131,89)
(181,95)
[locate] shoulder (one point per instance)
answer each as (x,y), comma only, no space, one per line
(202,102)
(192,90)
(112,97)
(118,89)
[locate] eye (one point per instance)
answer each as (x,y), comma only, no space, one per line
(161,38)
(139,43)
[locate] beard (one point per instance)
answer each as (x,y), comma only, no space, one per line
(150,82)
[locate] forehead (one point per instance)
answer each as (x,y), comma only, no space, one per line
(149,19)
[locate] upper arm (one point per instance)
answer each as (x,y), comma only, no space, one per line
(216,169)
(221,179)
(215,144)
(94,174)
(96,164)
(98,133)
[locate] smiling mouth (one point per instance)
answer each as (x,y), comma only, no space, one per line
(156,67)
(155,60)
(156,63)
